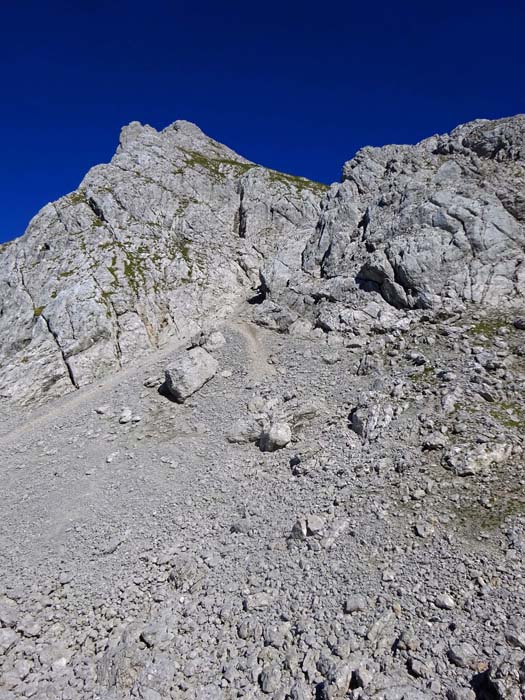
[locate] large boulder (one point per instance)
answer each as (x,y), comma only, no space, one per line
(189,373)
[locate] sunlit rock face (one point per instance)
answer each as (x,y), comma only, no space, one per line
(177,230)
(167,236)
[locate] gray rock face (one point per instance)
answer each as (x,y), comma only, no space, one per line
(178,229)
(439,223)
(167,236)
(421,225)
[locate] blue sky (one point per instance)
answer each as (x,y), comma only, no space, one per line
(297,86)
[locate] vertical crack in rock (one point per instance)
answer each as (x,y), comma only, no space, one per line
(240,214)
(61,350)
(53,335)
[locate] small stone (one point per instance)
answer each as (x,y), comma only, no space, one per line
(315,524)
(445,602)
(424,529)
(102,410)
(388,575)
(112,546)
(270,679)
(355,603)
(516,638)
(10,680)
(256,404)
(22,668)
(256,601)
(331,356)
(277,437)
(408,641)
(125,416)
(249,629)
(55,655)
(419,668)
(8,637)
(300,691)
(244,430)
(417,358)
(8,614)
(300,328)
(299,530)
(461,694)
(213,341)
(462,655)
(29,627)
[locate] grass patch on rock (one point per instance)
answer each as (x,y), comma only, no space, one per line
(300,183)
(488,327)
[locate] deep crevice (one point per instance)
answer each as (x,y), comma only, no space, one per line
(95,208)
(240,215)
(260,295)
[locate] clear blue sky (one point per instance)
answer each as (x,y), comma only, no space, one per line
(292,85)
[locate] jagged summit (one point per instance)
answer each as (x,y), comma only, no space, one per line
(148,247)
(175,140)
(178,230)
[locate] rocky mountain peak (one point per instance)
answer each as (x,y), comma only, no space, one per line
(178,229)
(147,248)
(272,437)
(176,141)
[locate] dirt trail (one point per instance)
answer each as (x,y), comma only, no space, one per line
(40,417)
(258,365)
(43,415)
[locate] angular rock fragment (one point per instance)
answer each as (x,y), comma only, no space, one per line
(213,341)
(355,603)
(189,372)
(277,436)
(462,654)
(244,430)
(465,460)
(370,420)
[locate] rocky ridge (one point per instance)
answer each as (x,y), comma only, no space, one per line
(313,488)
(178,227)
(167,236)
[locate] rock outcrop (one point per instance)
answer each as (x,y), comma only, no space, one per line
(167,236)
(438,224)
(178,229)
